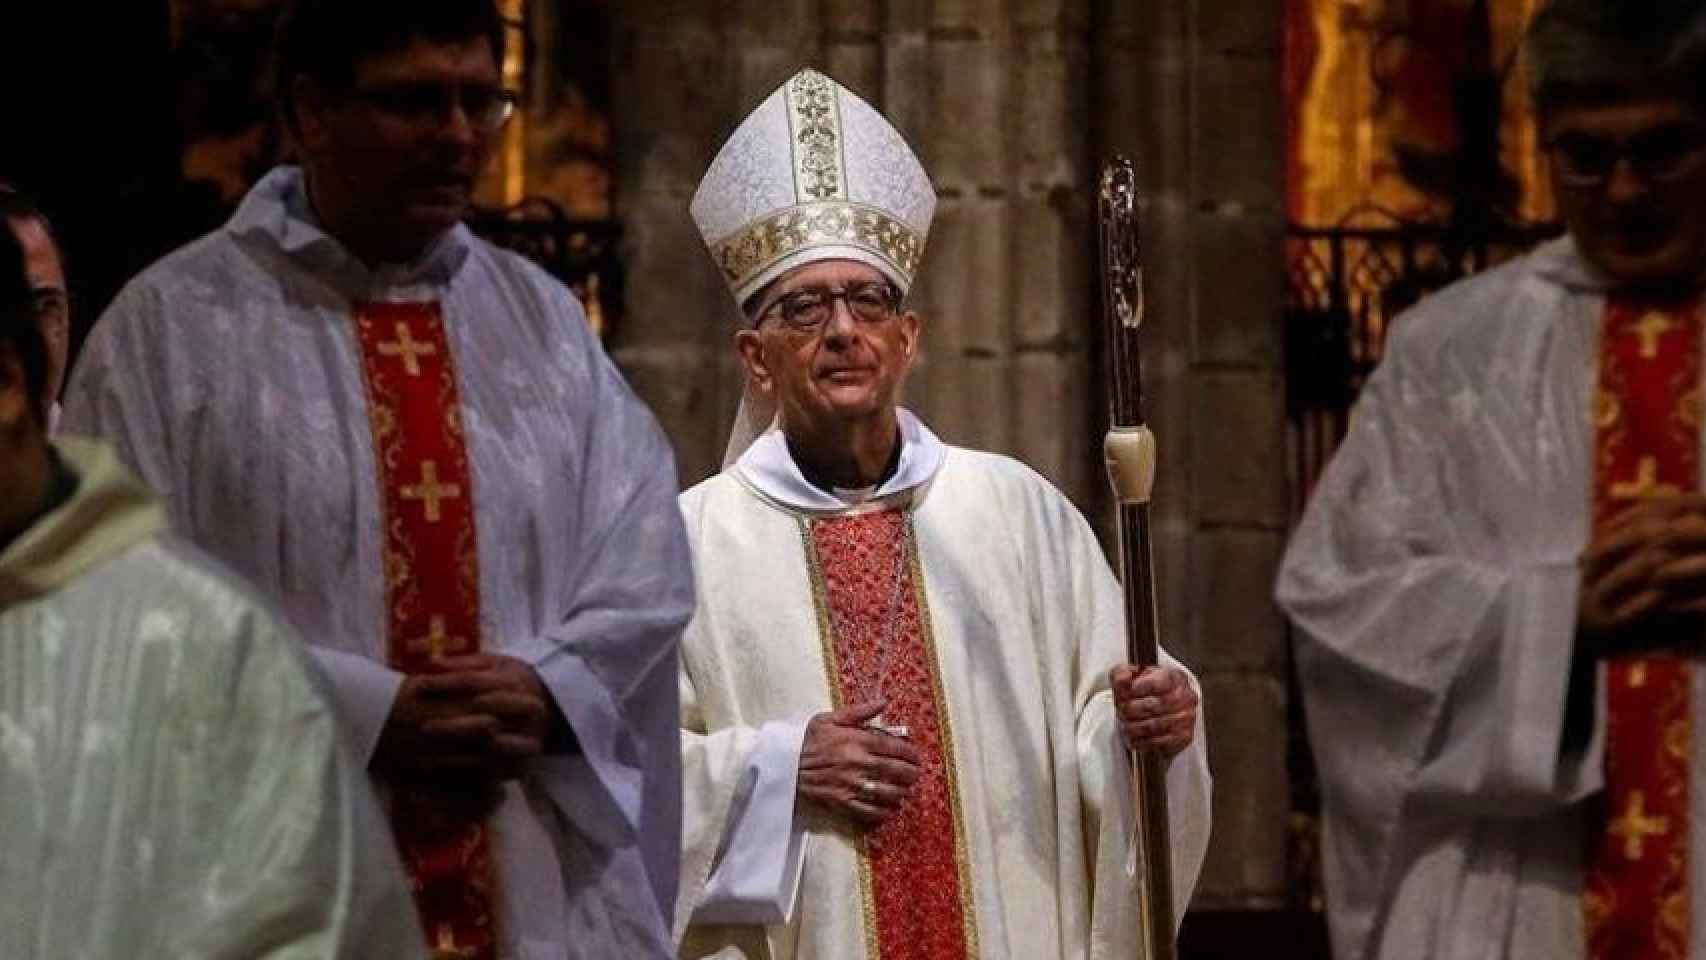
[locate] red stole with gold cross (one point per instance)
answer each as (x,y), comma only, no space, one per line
(432,595)
(1647,443)
(914,872)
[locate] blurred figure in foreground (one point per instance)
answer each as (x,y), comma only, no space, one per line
(1501,582)
(173,780)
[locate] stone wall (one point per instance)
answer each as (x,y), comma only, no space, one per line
(1192,90)
(1011,104)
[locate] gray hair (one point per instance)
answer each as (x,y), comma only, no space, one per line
(1592,51)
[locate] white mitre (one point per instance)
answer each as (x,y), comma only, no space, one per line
(813,174)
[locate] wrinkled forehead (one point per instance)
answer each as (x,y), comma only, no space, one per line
(1621,117)
(820,273)
(468,61)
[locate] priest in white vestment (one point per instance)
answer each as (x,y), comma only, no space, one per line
(173,781)
(1498,580)
(900,738)
(412,443)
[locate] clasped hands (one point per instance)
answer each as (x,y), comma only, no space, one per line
(469,725)
(1644,578)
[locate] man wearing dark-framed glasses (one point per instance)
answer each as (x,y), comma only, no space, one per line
(855,786)
(410,440)
(1630,178)
(808,310)
(1500,583)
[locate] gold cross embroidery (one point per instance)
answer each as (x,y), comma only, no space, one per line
(446,948)
(1650,328)
(408,348)
(1646,483)
(437,642)
(1634,827)
(431,491)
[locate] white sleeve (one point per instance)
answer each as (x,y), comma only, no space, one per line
(756,876)
(364,691)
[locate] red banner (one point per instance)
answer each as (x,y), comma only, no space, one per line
(432,596)
(1647,444)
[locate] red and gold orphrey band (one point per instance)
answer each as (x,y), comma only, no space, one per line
(1647,443)
(432,596)
(914,869)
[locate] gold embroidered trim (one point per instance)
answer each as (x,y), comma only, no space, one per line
(814,119)
(832,675)
(962,856)
(387,450)
(760,244)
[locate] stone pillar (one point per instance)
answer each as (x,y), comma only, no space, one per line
(1051,249)
(684,74)
(672,100)
(999,89)
(1192,91)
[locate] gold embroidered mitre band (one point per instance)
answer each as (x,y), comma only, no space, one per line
(813,174)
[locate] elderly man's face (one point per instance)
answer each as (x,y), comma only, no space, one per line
(400,151)
(846,368)
(46,274)
(1631,183)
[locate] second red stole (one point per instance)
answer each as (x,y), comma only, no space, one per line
(1646,444)
(432,591)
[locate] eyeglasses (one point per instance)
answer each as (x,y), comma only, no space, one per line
(1657,156)
(808,311)
(487,108)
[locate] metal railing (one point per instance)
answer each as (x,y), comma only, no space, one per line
(583,254)
(1346,285)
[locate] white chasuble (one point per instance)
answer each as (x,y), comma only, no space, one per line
(972,598)
(268,460)
(1434,581)
(172,778)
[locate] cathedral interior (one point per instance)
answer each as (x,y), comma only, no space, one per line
(1308,168)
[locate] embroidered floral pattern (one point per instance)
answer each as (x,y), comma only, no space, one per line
(432,596)
(1635,892)
(915,861)
(816,125)
(762,243)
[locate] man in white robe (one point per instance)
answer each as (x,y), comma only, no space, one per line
(412,443)
(173,780)
(1487,592)
(899,733)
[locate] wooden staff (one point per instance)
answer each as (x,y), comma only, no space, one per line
(1130,452)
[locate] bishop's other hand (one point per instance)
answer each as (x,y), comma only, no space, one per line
(1156,707)
(1644,578)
